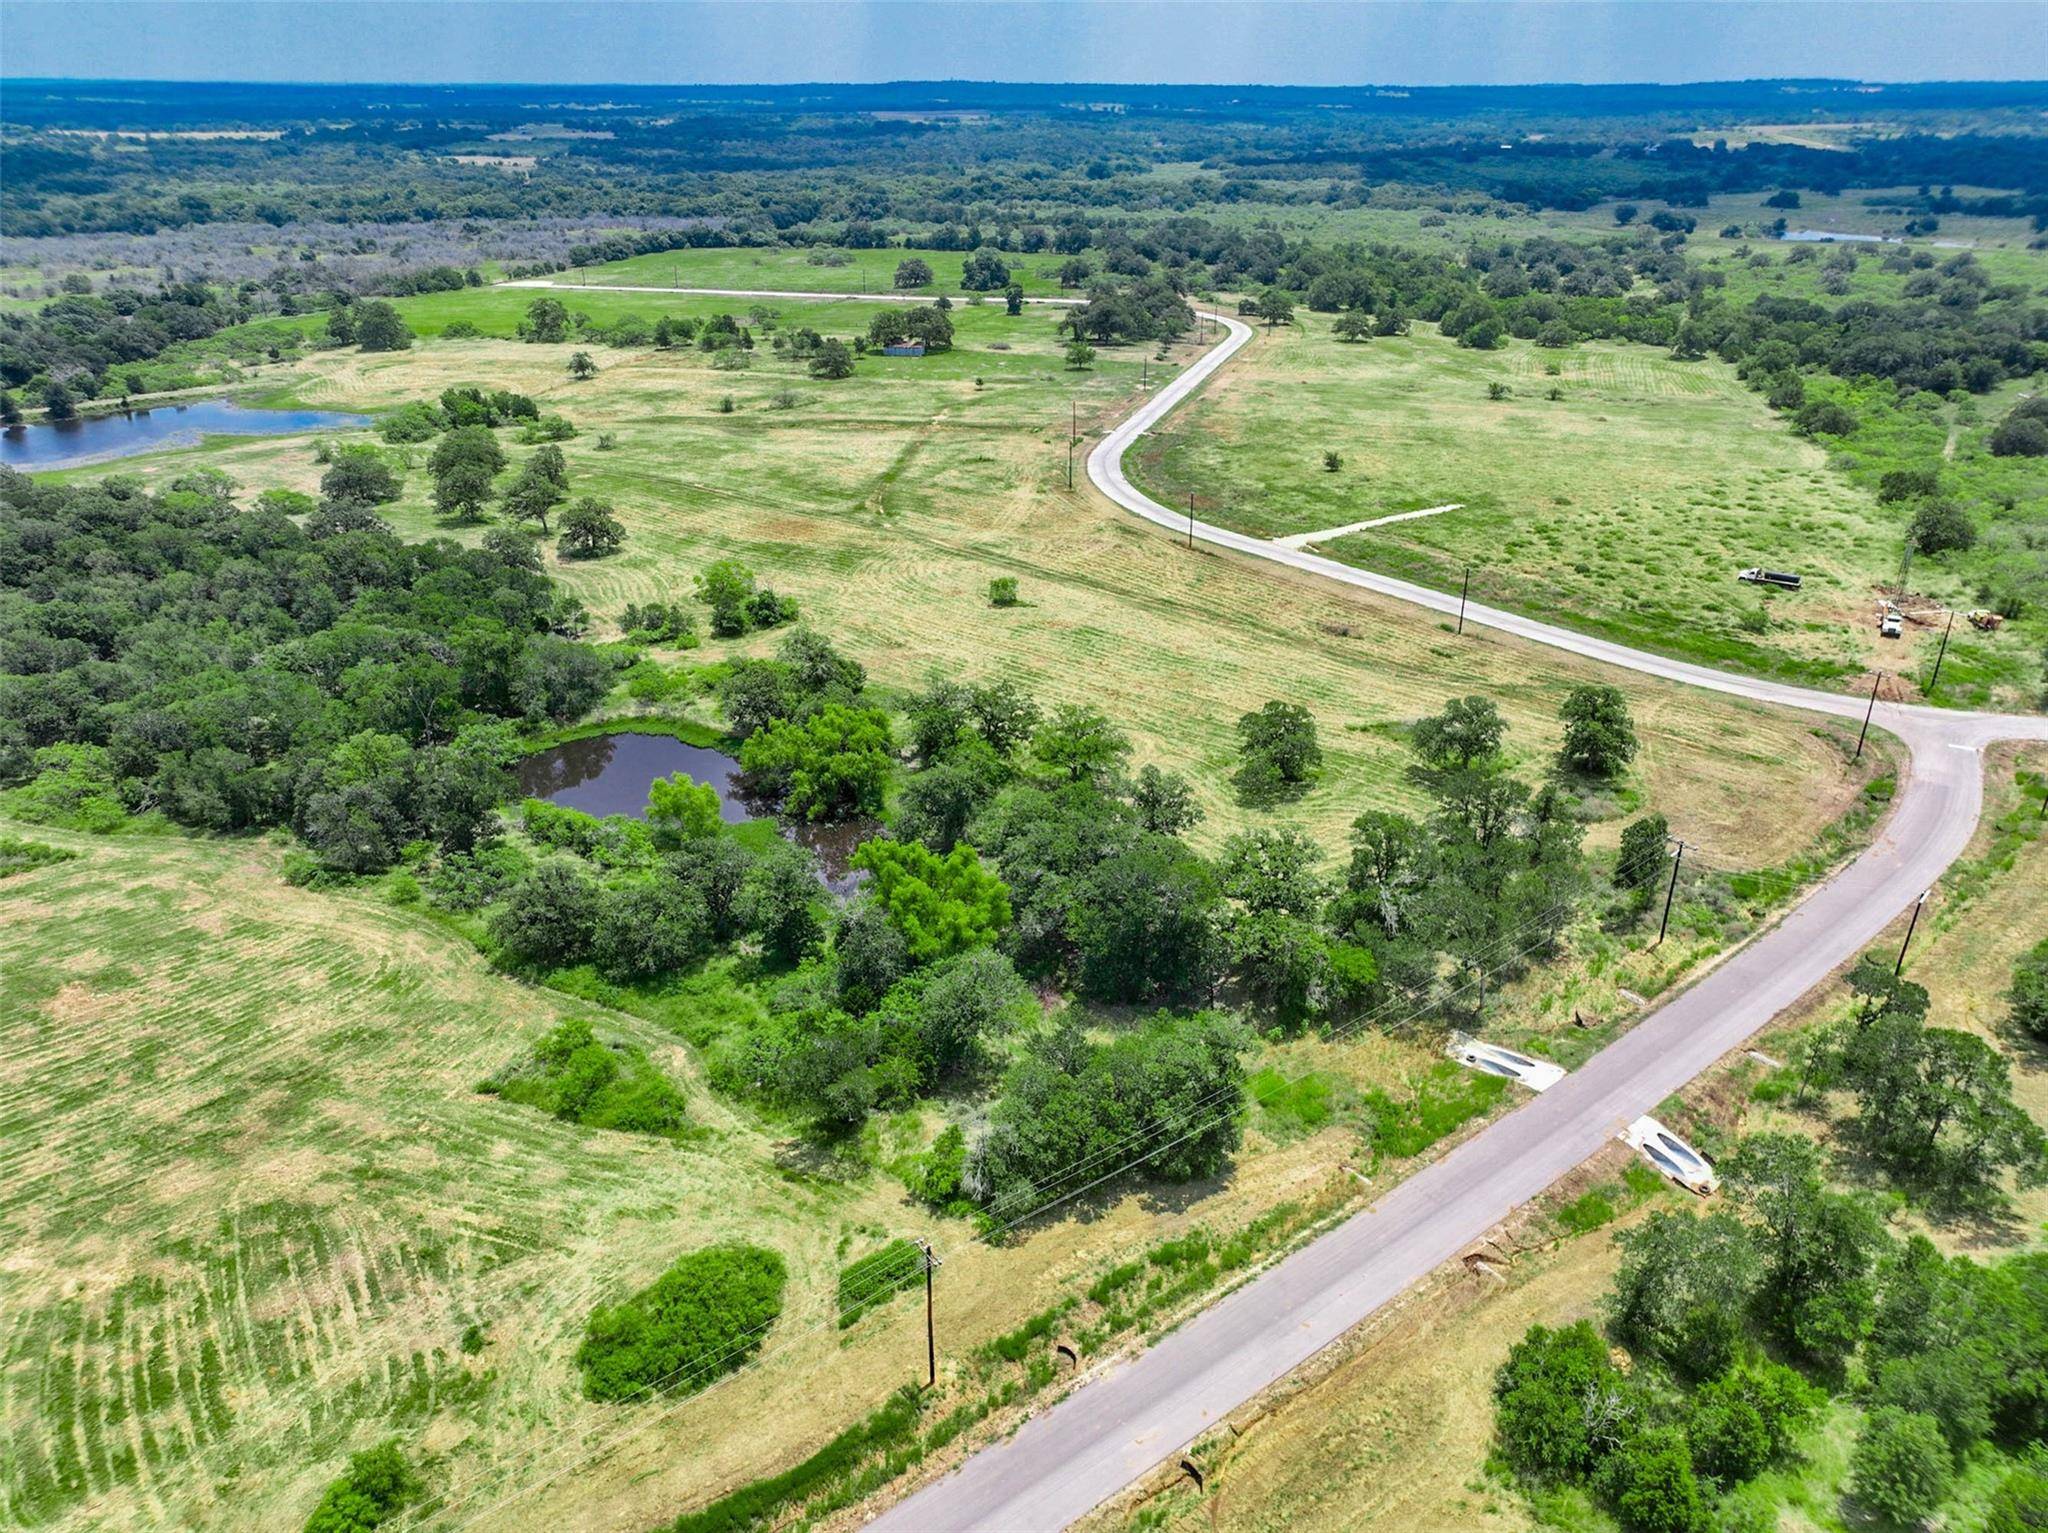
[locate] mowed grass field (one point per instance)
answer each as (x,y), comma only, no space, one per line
(887,502)
(1625,506)
(258,1217)
(254,1201)
(257,1203)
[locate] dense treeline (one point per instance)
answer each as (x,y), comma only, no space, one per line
(1742,1321)
(236,666)
(293,662)
(767,164)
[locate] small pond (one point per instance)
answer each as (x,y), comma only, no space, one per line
(1831,237)
(611,774)
(91,439)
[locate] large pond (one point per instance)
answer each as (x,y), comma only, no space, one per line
(611,774)
(96,438)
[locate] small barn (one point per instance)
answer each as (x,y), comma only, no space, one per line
(905,349)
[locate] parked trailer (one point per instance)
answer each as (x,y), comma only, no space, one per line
(1784,580)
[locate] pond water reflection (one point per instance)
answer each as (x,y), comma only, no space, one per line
(611,774)
(92,439)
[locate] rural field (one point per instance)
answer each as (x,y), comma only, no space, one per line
(1624,506)
(836,271)
(885,504)
(316,1230)
(632,915)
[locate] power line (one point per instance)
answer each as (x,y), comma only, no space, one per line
(1215,1098)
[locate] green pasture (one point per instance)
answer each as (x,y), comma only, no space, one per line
(1625,506)
(806,270)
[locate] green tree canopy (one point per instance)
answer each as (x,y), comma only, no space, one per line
(942,905)
(1599,734)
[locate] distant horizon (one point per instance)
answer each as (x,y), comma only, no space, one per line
(1394,44)
(970,81)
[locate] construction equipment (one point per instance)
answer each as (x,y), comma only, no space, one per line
(1988,621)
(1890,622)
(1784,580)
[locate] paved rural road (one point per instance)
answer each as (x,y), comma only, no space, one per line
(1062,1464)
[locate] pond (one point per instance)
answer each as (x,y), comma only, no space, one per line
(91,439)
(1830,236)
(611,774)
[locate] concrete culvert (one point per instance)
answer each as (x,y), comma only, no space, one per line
(1066,1353)
(1187,1467)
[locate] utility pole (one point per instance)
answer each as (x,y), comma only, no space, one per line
(1875,682)
(931,1341)
(1670,890)
(1073,433)
(1935,680)
(1191,521)
(1464,591)
(1915,921)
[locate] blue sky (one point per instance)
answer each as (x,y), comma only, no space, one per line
(1322,42)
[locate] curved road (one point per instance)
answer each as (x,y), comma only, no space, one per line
(1062,1464)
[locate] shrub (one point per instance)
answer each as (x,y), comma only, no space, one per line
(878,1277)
(2028,996)
(1651,1485)
(1823,417)
(73,788)
(21,856)
(2023,433)
(754,1506)
(414,422)
(549,915)
(699,1320)
(1541,1397)
(1642,859)
(467,881)
(934,1177)
(378,1485)
(548,428)
(578,1079)
(2020,1504)
(1002,591)
(1941,526)
(1900,1467)
(1727,1434)
(1167,1098)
